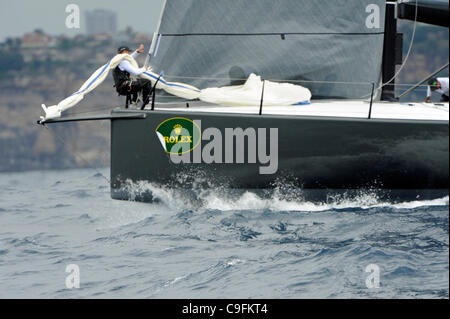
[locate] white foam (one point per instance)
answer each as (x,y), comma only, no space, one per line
(217,198)
(235,262)
(422,203)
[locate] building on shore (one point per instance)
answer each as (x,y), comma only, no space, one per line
(101,21)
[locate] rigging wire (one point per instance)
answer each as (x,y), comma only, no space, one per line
(284,80)
(269,79)
(413,37)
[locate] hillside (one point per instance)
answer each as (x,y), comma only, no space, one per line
(45,71)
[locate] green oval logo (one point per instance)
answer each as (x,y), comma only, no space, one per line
(179,135)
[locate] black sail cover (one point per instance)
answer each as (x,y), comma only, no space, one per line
(209,43)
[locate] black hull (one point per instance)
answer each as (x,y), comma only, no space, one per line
(401,159)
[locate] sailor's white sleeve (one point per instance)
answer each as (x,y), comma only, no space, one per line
(135,54)
(444,85)
(126,66)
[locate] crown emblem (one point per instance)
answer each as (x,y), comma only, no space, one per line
(178,129)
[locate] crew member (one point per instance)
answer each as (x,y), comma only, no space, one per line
(124,84)
(438,85)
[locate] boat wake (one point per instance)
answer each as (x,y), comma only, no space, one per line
(283,197)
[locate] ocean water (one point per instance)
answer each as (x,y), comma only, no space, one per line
(245,247)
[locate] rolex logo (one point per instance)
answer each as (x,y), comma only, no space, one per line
(179,135)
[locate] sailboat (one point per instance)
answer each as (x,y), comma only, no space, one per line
(352,135)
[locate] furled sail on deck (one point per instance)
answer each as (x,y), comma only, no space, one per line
(322,40)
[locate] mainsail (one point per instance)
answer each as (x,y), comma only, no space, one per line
(325,43)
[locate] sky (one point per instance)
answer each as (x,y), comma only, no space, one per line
(20,16)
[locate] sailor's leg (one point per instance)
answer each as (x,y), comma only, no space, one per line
(141,85)
(135,88)
(146,89)
(444,98)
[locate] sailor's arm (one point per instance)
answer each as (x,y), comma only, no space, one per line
(428,99)
(138,51)
(135,54)
(126,66)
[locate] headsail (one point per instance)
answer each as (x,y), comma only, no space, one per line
(179,89)
(320,40)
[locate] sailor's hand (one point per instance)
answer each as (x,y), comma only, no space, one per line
(141,48)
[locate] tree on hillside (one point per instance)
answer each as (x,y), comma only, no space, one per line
(11,62)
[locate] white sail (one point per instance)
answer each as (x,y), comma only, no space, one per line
(251,93)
